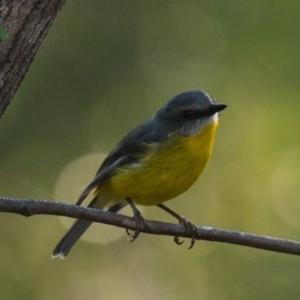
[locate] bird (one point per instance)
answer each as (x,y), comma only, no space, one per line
(155,162)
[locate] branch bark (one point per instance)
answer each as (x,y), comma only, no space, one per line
(36,207)
(27,23)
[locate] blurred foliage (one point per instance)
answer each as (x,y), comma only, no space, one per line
(3,34)
(105,67)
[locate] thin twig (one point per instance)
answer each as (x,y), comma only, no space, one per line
(35,207)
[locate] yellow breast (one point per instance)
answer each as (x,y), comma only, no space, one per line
(165,171)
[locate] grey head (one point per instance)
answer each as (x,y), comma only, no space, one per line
(187,113)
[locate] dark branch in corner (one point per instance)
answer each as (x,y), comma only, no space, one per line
(36,207)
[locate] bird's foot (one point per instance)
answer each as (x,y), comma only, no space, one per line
(140,222)
(191,228)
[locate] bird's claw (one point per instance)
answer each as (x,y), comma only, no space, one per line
(177,240)
(140,222)
(191,228)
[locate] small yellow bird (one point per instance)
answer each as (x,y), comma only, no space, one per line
(155,162)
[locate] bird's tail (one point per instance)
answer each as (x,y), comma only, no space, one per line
(76,231)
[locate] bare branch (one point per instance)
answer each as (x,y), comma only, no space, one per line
(35,207)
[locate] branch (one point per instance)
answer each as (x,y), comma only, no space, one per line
(26,23)
(36,207)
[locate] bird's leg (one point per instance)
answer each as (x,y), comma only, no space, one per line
(140,221)
(191,228)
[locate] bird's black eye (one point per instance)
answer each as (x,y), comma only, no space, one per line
(189,114)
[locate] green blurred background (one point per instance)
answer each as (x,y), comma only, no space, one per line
(105,67)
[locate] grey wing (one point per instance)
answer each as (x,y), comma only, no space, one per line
(105,172)
(126,152)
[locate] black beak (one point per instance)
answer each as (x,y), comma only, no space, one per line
(216,107)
